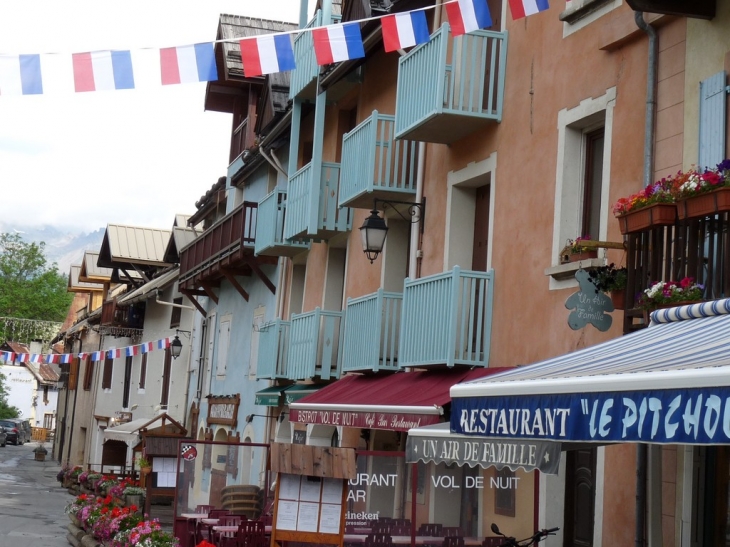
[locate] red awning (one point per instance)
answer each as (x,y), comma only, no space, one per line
(397,402)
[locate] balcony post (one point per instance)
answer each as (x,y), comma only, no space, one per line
(451,322)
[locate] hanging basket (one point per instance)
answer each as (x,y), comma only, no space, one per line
(710,203)
(659,214)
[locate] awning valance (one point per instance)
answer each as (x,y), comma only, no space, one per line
(269,396)
(128,433)
(669,383)
(436,443)
(298,391)
(396,402)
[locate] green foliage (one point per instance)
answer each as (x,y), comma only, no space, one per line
(6,411)
(30,288)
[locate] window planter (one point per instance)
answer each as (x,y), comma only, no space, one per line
(717,201)
(659,214)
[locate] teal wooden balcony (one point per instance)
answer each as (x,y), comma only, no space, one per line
(315,345)
(312,209)
(270,239)
(447,319)
(372,331)
(304,78)
(375,165)
(273,350)
(447,89)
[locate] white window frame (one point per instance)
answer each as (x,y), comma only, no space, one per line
(573,124)
(222,345)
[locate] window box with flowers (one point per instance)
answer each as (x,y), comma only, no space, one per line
(653,206)
(703,193)
(579,249)
(668,294)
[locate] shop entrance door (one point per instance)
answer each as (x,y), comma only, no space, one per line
(580,497)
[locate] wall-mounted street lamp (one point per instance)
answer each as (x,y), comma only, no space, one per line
(176,345)
(374,229)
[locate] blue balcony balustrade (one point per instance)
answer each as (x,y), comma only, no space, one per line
(447,319)
(315,345)
(375,165)
(304,77)
(448,88)
(270,239)
(273,350)
(225,244)
(312,210)
(372,331)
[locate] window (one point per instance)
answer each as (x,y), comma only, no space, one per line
(176,312)
(143,371)
(224,338)
(580,13)
(73,374)
(127,381)
(582,175)
(106,379)
(48,421)
(45,395)
(164,398)
(88,374)
(580,496)
(504,492)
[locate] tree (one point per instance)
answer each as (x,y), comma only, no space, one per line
(29,287)
(6,411)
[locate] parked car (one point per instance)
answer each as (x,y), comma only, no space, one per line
(3,436)
(14,431)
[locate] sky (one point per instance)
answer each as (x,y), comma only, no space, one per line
(80,161)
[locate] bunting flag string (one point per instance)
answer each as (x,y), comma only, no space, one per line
(49,73)
(65,358)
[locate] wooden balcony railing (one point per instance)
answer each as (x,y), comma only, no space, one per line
(270,240)
(241,140)
(273,350)
(222,245)
(697,248)
(114,315)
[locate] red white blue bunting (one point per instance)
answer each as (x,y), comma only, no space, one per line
(65,358)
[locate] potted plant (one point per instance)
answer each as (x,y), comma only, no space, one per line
(40,452)
(134,496)
(611,280)
(144,465)
(665,294)
(655,205)
(580,248)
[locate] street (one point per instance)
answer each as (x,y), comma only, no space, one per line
(32,501)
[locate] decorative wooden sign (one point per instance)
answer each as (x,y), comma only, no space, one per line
(589,305)
(224,410)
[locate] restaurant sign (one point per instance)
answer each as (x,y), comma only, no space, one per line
(674,416)
(499,453)
(367,420)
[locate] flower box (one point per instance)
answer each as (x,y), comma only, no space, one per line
(702,205)
(658,214)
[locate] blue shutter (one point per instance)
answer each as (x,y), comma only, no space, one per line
(712,120)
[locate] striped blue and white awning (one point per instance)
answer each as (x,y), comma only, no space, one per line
(669,383)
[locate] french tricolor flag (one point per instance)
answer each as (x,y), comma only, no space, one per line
(521,8)
(267,54)
(163,343)
(114,353)
(97,355)
(36,358)
(188,64)
(22,357)
(335,43)
(66,358)
(103,71)
(20,75)
(404,30)
(147,347)
(131,351)
(468,16)
(52,358)
(8,356)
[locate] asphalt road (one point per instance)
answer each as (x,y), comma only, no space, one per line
(32,501)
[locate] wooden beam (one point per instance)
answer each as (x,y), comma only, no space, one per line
(194,301)
(251,261)
(233,281)
(209,291)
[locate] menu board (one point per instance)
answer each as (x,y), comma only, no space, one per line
(309,504)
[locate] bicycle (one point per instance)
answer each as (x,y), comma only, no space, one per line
(534,539)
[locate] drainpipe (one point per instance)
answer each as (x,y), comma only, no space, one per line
(651,76)
(414,266)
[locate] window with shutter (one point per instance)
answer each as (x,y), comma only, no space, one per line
(73,374)
(106,379)
(164,399)
(88,373)
(143,371)
(713,103)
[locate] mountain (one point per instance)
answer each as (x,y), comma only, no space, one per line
(62,247)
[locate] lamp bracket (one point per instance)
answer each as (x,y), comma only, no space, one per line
(185,332)
(415,212)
